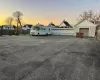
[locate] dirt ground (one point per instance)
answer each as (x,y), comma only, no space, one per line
(49,58)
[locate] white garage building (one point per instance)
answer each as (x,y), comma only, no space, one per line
(85,27)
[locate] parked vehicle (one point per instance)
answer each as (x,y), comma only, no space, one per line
(40,30)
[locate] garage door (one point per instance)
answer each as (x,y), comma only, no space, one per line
(85,31)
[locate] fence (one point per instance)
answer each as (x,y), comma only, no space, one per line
(63,31)
(13,32)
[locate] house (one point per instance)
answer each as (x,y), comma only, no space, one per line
(7,27)
(86,27)
(64,29)
(52,25)
(27,27)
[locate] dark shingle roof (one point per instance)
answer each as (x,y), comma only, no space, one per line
(67,24)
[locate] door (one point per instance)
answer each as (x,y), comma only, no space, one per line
(85,31)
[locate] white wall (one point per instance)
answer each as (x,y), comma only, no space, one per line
(86,24)
(63,31)
(92,31)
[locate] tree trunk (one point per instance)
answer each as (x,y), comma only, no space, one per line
(17,29)
(20,25)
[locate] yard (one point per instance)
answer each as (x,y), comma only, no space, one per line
(49,58)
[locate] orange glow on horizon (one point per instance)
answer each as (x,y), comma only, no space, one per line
(34,22)
(26,19)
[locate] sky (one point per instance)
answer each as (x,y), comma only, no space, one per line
(46,11)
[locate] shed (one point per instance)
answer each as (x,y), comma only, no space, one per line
(86,27)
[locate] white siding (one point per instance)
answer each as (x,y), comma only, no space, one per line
(92,31)
(63,31)
(86,24)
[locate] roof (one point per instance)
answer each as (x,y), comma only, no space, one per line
(67,25)
(29,25)
(41,26)
(79,22)
(84,23)
(51,25)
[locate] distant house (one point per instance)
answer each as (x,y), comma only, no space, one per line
(7,27)
(27,27)
(86,27)
(52,25)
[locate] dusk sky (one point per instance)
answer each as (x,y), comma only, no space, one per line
(46,11)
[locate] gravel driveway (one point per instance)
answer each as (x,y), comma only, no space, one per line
(49,58)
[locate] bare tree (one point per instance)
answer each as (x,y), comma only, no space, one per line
(18,16)
(89,15)
(9,24)
(9,21)
(86,15)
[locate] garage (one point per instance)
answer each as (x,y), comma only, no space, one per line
(86,27)
(85,31)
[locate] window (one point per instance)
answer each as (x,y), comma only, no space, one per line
(36,28)
(43,29)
